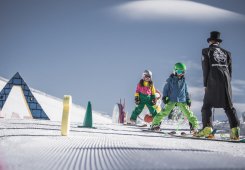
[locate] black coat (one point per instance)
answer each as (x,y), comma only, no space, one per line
(216,65)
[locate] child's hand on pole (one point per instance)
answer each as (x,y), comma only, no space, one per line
(165,99)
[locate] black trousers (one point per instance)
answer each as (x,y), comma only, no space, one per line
(207,116)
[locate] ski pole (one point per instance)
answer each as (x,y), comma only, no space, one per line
(213,114)
(181,122)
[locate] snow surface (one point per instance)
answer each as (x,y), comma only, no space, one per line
(37,144)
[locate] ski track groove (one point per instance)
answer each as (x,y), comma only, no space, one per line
(81,163)
(77,160)
(125,154)
(107,153)
(85,156)
(116,156)
(45,156)
(78,154)
(57,160)
(71,156)
(55,149)
(99,154)
(103,156)
(93,162)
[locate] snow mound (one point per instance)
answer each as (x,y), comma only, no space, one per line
(53,107)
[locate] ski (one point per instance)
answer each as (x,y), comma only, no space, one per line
(136,125)
(210,139)
(161,131)
(216,138)
(185,135)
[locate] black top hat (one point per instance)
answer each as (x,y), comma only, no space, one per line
(214,35)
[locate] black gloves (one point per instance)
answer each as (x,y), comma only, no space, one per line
(188,102)
(137,100)
(165,99)
(154,101)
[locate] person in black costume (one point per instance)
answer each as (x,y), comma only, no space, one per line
(217,73)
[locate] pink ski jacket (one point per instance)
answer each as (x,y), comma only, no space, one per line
(146,89)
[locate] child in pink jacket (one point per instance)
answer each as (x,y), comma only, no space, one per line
(145,95)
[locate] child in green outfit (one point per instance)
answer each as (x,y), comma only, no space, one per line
(175,93)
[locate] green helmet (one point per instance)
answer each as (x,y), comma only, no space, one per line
(180,66)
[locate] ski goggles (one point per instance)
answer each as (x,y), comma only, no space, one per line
(147,76)
(179,72)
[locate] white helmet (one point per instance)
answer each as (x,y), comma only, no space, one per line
(147,73)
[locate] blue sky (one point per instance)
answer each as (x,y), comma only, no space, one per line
(96,51)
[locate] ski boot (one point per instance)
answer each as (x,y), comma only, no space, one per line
(131,122)
(206,132)
(194,131)
(156,128)
(235,133)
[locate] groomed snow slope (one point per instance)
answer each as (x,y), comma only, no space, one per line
(37,144)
